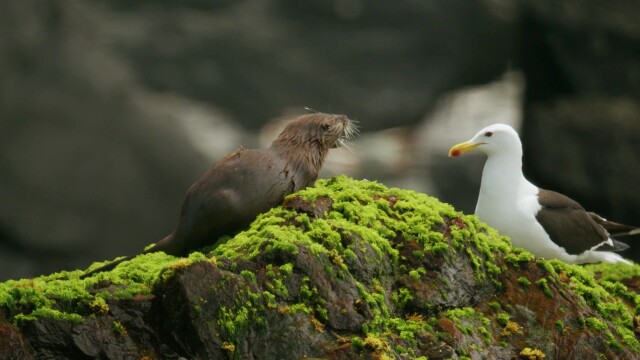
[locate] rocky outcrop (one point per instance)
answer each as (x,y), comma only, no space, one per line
(348,269)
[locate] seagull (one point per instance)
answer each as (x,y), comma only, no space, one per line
(546,223)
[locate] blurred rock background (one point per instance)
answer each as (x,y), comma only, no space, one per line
(109,110)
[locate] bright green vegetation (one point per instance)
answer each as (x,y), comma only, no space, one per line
(376,214)
(502,318)
(543,285)
(613,272)
(119,329)
(612,300)
(381,220)
(524,282)
(596,324)
(63,296)
(494,305)
(470,321)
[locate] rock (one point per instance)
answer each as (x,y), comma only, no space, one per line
(348,269)
(601,172)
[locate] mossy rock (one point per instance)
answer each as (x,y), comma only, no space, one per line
(347,269)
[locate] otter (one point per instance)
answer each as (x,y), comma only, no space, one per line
(248,182)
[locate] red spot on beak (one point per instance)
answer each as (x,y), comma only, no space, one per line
(455,153)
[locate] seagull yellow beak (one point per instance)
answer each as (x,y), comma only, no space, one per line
(462,148)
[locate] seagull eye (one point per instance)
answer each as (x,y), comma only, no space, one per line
(488,134)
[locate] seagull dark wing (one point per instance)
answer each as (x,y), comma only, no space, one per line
(570,226)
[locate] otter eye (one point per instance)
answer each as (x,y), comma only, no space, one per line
(488,134)
(325,126)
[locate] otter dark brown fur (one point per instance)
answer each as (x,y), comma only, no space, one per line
(248,182)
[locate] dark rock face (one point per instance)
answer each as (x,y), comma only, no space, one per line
(377,273)
(383,62)
(582,104)
(85,166)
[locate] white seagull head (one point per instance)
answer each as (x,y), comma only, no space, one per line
(492,140)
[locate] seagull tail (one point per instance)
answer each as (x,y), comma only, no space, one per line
(612,258)
(613,228)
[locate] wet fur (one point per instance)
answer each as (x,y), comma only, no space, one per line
(247,182)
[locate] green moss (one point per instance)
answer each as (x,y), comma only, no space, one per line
(611,341)
(519,256)
(414,275)
(524,282)
(286,269)
(249,309)
(546,266)
(231,348)
(232,322)
(48,313)
(269,300)
(63,296)
(493,269)
(613,272)
(275,283)
(379,345)
(248,275)
(596,324)
(296,308)
(98,305)
(509,309)
(494,305)
(469,321)
(119,329)
(409,329)
(485,333)
(601,296)
(545,288)
(417,273)
(357,343)
(437,248)
(401,297)
(502,318)
(582,321)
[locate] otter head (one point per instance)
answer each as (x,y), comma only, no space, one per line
(316,132)
(309,137)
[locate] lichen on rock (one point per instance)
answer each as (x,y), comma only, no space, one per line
(344,269)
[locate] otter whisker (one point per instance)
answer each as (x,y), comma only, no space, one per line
(351,130)
(342,144)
